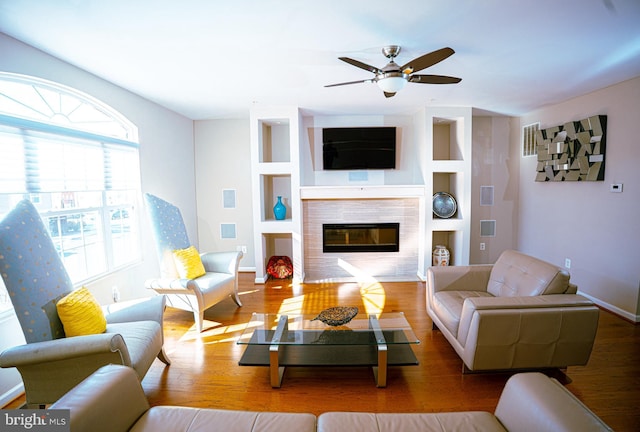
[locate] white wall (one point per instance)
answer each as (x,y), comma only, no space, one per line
(495,163)
(166,158)
(223,161)
(407,169)
(583,221)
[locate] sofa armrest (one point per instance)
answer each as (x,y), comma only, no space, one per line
(171,285)
(66,349)
(531,303)
(459,278)
(221,262)
(151,309)
(535,402)
(110,400)
(456,278)
(555,330)
(51,368)
(525,302)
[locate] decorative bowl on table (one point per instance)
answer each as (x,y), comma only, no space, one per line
(337,316)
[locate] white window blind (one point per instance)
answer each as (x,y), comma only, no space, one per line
(77,160)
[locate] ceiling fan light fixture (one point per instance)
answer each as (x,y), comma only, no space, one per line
(392,83)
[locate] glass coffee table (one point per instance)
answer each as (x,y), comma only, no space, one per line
(375,341)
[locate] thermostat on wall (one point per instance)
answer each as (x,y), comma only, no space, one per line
(616,187)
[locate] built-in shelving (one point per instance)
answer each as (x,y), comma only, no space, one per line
(447,168)
(275,137)
(441,143)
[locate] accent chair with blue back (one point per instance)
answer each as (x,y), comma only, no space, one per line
(219,279)
(51,363)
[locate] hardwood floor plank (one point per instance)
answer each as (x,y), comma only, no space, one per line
(205,371)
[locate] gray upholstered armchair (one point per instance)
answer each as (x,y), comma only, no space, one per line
(219,281)
(50,363)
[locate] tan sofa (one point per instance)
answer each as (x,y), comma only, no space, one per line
(112,400)
(519,313)
(530,402)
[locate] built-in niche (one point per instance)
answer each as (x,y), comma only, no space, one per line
(572,152)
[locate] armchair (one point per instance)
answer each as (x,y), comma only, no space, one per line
(198,294)
(519,313)
(50,363)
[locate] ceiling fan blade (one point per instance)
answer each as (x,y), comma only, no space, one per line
(427,60)
(361,65)
(388,95)
(347,83)
(434,79)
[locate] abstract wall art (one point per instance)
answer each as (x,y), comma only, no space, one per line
(572,152)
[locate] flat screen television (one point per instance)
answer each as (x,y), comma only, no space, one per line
(359,148)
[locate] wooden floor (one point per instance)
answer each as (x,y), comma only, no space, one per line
(205,371)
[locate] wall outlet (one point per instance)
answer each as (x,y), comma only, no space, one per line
(115,293)
(616,187)
(242,249)
(482,246)
(567,263)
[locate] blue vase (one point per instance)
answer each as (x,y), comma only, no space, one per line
(279,210)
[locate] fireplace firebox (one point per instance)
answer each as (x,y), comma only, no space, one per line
(361,237)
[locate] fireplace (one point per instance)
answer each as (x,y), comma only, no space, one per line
(361,237)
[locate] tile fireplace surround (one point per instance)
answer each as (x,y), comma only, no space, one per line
(387,266)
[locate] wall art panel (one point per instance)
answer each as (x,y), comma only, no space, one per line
(573,151)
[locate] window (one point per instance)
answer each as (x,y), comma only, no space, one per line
(530,139)
(77,161)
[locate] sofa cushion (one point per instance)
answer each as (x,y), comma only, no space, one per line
(448,306)
(462,421)
(143,339)
(173,418)
(517,274)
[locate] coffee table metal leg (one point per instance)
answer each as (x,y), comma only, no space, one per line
(380,371)
(276,371)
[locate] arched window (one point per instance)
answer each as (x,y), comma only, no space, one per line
(77,160)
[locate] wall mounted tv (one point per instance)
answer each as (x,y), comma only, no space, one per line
(359,148)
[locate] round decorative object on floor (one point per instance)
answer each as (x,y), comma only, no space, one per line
(444,205)
(441,256)
(280,267)
(279,210)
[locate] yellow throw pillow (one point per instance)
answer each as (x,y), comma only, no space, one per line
(188,263)
(81,314)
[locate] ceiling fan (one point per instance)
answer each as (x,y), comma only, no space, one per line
(392,78)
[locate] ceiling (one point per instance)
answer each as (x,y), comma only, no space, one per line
(210,59)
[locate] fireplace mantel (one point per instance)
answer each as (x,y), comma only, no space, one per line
(362,192)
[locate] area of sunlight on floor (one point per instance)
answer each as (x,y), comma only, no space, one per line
(372,292)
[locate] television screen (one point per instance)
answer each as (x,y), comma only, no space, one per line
(357,148)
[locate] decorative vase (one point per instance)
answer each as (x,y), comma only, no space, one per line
(279,210)
(441,256)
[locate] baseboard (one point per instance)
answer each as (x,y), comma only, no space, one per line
(9,396)
(613,309)
(246,269)
(350,279)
